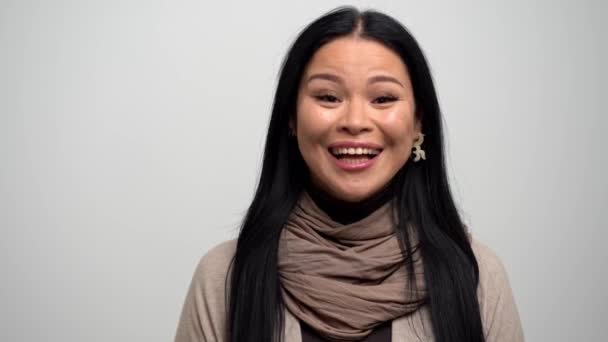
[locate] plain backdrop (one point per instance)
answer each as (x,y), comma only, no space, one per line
(131,135)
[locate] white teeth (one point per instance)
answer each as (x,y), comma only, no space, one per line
(354,161)
(354,151)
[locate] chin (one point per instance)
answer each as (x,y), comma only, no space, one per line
(354,195)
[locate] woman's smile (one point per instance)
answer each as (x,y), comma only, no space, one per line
(354,156)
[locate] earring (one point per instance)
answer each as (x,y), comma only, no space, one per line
(292,132)
(419,152)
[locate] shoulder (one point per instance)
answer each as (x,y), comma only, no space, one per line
(491,266)
(203,316)
(493,278)
(496,301)
(215,262)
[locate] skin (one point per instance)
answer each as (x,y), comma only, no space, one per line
(350,105)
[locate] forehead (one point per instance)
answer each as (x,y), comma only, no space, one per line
(357,56)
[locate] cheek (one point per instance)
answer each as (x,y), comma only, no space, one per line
(312,122)
(311,128)
(398,126)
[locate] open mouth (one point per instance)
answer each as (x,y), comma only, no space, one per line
(354,155)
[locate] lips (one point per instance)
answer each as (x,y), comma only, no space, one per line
(354,156)
(355,144)
(354,150)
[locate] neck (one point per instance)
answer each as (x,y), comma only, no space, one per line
(345,212)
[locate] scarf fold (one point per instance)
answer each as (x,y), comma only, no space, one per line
(343,280)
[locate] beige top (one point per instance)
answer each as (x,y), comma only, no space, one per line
(203,317)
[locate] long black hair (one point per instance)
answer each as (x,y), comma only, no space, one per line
(422,197)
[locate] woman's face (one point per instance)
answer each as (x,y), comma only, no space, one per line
(355,121)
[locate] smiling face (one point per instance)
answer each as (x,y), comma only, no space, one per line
(355,121)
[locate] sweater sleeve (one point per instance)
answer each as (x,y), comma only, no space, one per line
(501,322)
(203,316)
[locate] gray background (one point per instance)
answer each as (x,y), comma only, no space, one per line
(131,135)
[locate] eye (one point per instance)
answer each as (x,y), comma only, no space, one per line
(327,98)
(385,99)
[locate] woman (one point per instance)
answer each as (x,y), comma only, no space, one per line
(353,233)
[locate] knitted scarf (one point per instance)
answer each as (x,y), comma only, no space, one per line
(343,280)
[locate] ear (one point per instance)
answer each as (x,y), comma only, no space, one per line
(417,127)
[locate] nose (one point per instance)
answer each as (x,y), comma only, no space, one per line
(355,118)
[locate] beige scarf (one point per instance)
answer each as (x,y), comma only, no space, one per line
(344,280)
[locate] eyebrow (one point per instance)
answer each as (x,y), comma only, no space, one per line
(327,77)
(384,78)
(339,80)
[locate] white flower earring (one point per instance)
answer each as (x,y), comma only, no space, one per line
(418,151)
